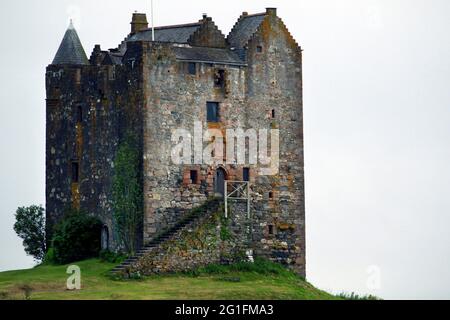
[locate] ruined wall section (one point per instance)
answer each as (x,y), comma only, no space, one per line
(176,99)
(274,93)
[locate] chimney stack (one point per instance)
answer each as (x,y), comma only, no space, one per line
(139,22)
(271,11)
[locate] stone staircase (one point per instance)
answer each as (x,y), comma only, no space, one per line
(209,207)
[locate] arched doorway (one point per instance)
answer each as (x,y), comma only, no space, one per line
(105,238)
(219,182)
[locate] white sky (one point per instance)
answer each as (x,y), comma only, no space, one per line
(377,126)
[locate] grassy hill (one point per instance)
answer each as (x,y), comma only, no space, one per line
(262,280)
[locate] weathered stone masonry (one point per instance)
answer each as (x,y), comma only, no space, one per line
(154,87)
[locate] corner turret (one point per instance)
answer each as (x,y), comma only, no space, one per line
(70,50)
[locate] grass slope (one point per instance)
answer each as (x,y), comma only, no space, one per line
(262,280)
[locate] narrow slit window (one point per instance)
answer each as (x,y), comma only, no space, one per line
(270,229)
(79,114)
(112,73)
(273,113)
(271,195)
(192,68)
(75,172)
(246,174)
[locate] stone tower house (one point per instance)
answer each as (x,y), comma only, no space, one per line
(192,72)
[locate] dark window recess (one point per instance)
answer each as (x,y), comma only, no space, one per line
(219,78)
(246,174)
(270,195)
(273,113)
(192,68)
(79,114)
(75,172)
(212,111)
(270,229)
(259,49)
(194,176)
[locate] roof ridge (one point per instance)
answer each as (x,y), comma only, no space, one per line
(255,14)
(194,24)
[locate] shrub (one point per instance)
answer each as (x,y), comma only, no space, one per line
(30,226)
(50,257)
(112,257)
(354,296)
(76,237)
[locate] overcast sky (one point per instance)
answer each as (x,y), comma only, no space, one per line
(377,126)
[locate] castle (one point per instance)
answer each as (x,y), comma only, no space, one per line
(165,78)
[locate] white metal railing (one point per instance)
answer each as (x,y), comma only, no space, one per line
(237,190)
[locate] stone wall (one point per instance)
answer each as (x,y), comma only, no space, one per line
(265,95)
(274,80)
(176,99)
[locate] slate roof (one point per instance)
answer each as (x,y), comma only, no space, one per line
(70,50)
(178,33)
(238,38)
(112,58)
(209,55)
(244,29)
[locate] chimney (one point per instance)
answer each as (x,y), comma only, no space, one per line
(138,22)
(271,11)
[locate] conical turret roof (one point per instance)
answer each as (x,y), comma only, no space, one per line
(70,50)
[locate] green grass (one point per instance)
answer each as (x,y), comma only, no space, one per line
(262,280)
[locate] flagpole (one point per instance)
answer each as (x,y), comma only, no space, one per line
(153,23)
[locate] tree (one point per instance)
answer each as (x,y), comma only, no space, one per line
(127,194)
(30,226)
(76,237)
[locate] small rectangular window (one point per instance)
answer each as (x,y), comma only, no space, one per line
(270,229)
(271,195)
(192,68)
(75,172)
(259,49)
(273,113)
(194,176)
(246,174)
(212,111)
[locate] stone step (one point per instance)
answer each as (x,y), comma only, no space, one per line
(156,243)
